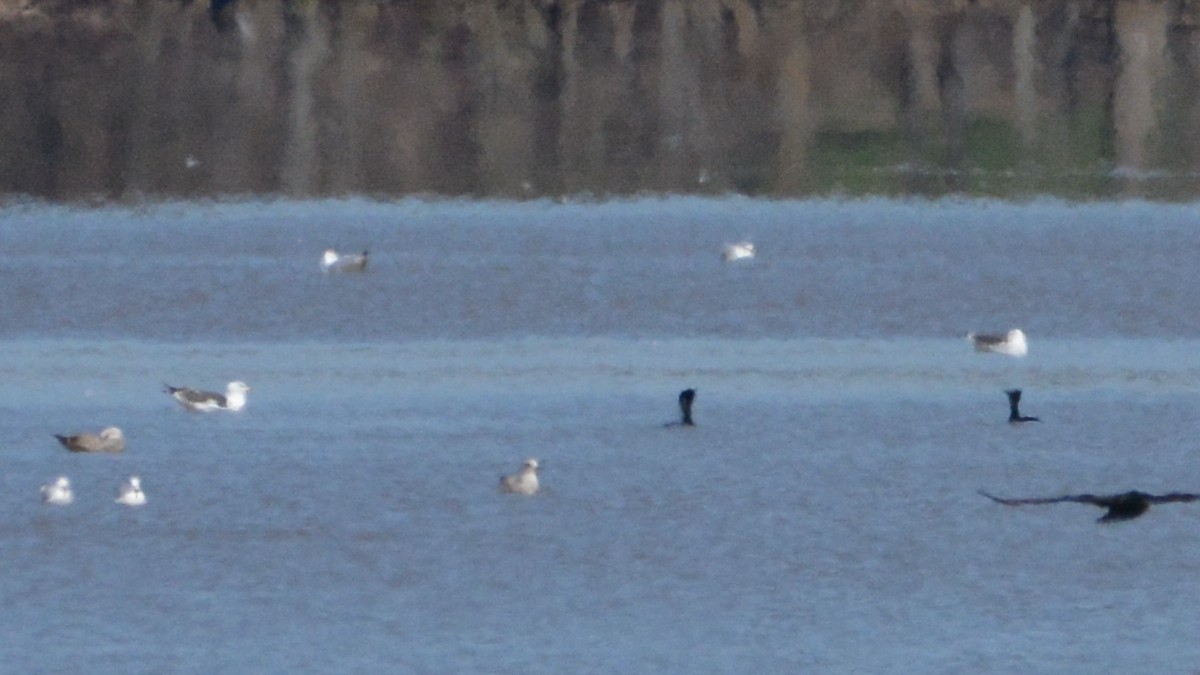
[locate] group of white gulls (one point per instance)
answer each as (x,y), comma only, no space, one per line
(1123,506)
(59,492)
(112,440)
(523,482)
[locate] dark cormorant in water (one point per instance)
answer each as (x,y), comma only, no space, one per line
(685,409)
(1124,506)
(1014,415)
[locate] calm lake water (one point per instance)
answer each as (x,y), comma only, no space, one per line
(821,517)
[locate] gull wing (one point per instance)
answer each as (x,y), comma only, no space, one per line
(85,442)
(194,396)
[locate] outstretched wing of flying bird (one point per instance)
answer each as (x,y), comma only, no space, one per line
(1082,499)
(1172,497)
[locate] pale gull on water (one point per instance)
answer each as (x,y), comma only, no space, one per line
(739,251)
(130,493)
(108,440)
(1011,343)
(58,492)
(523,482)
(332,261)
(233,399)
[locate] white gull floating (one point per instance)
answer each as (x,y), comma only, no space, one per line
(333,261)
(740,251)
(130,493)
(58,492)
(1011,343)
(523,482)
(108,440)
(233,399)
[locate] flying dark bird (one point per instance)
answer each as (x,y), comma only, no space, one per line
(686,397)
(1014,402)
(1124,506)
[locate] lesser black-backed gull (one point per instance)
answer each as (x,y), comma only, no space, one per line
(1011,343)
(233,399)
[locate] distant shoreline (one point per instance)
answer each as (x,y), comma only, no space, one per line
(526,100)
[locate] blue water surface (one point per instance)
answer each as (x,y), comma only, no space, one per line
(822,516)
